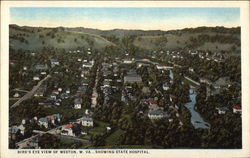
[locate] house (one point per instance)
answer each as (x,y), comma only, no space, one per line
(55,92)
(54,62)
(222,110)
(87,65)
(132,77)
(57,117)
(157,114)
(78,103)
(16,95)
(108,129)
(141,63)
(68,130)
(24,121)
(165,86)
(127,61)
(190,69)
(84,133)
(106,84)
(14,132)
(85,82)
(53,96)
(43,122)
(41,67)
(36,78)
(68,91)
(237,109)
(51,119)
(25,68)
(22,129)
(82,89)
(86,121)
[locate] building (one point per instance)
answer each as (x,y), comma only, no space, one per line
(157,114)
(78,103)
(22,129)
(86,121)
(165,86)
(132,77)
(51,119)
(36,78)
(54,62)
(237,109)
(57,117)
(14,132)
(43,122)
(68,130)
(222,110)
(16,95)
(87,65)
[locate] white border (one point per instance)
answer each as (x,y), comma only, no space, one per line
(244,7)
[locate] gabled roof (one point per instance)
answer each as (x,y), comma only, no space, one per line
(86,118)
(69,126)
(57,115)
(13,129)
(50,117)
(236,107)
(43,119)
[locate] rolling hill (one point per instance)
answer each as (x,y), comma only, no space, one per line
(201,38)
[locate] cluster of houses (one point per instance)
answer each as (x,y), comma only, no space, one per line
(111,75)
(82,88)
(79,51)
(236,109)
(19,130)
(73,129)
(45,121)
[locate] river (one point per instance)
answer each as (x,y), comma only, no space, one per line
(196,119)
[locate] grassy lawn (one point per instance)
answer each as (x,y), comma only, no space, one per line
(97,130)
(114,138)
(101,123)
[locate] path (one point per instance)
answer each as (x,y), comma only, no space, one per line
(95,94)
(30,93)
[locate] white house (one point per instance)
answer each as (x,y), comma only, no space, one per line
(86,121)
(16,95)
(36,78)
(87,65)
(126,61)
(78,103)
(222,110)
(165,86)
(43,73)
(22,129)
(157,114)
(237,109)
(43,122)
(68,130)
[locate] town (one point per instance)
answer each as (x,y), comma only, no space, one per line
(85,98)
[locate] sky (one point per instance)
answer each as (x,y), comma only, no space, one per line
(145,18)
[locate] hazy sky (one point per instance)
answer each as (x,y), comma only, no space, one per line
(126,18)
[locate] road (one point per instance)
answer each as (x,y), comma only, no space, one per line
(95,94)
(30,93)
